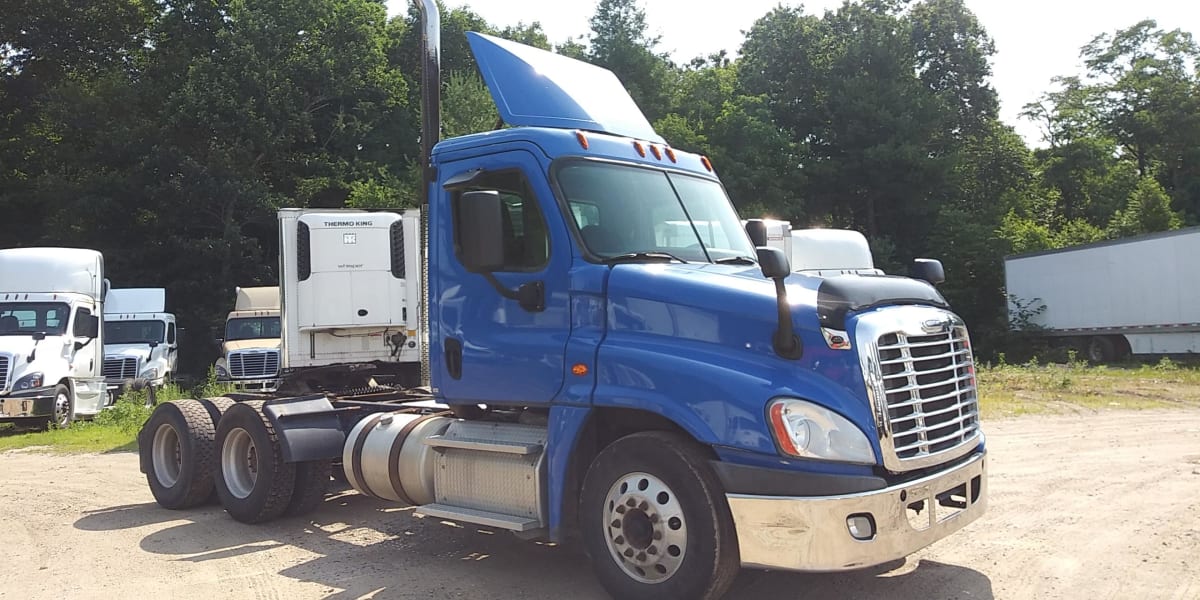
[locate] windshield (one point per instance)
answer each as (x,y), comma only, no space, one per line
(251,328)
(621,210)
(27,318)
(133,332)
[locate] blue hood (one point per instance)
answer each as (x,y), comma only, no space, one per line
(533,87)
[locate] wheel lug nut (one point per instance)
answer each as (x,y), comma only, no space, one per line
(629,552)
(619,540)
(631,503)
(641,556)
(621,509)
(643,505)
(652,550)
(657,535)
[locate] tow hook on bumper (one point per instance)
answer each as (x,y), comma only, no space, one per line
(854,531)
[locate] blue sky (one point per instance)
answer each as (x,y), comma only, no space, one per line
(1035,39)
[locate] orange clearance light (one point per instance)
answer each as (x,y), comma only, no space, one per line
(655,152)
(583,143)
(706,163)
(670,153)
(579,369)
(641,150)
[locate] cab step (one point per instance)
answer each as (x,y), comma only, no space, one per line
(478,517)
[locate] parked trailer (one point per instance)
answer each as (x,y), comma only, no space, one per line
(686,406)
(51,343)
(1138,295)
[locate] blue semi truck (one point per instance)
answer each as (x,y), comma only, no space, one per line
(680,404)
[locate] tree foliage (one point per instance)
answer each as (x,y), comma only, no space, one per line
(166,133)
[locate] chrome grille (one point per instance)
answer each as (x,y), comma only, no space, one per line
(929,384)
(253,363)
(920,377)
(120,368)
(5,361)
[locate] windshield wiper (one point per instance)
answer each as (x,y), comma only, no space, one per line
(736,260)
(635,256)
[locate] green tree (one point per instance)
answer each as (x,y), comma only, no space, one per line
(620,41)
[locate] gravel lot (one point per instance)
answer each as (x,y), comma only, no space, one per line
(1088,506)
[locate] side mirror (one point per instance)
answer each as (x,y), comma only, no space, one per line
(773,262)
(757,230)
(480,231)
(39,336)
(153,345)
(928,269)
(219,341)
(87,326)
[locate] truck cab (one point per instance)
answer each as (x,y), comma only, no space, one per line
(250,346)
(51,342)
(140,338)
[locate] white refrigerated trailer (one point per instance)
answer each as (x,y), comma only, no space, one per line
(1110,299)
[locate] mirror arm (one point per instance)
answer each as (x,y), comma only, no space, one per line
(531,296)
(786,344)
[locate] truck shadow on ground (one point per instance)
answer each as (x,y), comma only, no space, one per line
(363,547)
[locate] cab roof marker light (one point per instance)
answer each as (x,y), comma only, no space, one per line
(707,165)
(583,141)
(655,152)
(670,154)
(641,150)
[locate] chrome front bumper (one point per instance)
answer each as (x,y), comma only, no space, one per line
(813,534)
(29,404)
(252,385)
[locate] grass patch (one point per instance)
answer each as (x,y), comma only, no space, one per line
(113,430)
(1014,390)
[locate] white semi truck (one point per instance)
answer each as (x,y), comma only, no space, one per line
(250,347)
(51,342)
(1112,299)
(140,338)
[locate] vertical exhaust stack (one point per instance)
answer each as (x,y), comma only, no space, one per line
(431,132)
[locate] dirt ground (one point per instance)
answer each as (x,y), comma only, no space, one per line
(1083,506)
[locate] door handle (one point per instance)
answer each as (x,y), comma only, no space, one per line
(453,350)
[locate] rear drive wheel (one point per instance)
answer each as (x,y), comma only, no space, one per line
(655,521)
(179,453)
(254,484)
(64,406)
(312,482)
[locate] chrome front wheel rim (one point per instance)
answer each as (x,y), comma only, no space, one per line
(644,528)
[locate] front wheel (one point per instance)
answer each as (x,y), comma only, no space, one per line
(64,406)
(655,522)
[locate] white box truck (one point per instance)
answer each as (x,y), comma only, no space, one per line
(140,338)
(51,342)
(1110,299)
(250,348)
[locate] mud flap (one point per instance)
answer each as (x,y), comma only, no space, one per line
(308,428)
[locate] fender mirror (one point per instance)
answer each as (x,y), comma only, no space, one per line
(775,266)
(928,269)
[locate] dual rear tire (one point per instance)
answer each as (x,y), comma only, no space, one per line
(193,450)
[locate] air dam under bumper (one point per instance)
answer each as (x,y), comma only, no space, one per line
(813,534)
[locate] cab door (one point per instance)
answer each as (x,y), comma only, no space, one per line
(86,362)
(485,347)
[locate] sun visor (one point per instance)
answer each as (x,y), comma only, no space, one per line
(536,88)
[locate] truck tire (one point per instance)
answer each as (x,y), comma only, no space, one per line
(253,483)
(216,407)
(179,451)
(655,522)
(1100,350)
(64,406)
(312,482)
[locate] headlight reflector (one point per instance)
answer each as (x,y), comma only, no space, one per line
(28,382)
(806,430)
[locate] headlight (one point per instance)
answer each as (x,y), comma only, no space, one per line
(222,373)
(28,382)
(150,373)
(806,430)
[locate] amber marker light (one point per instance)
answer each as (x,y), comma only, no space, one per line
(641,150)
(655,152)
(782,435)
(704,161)
(670,153)
(583,142)
(579,369)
